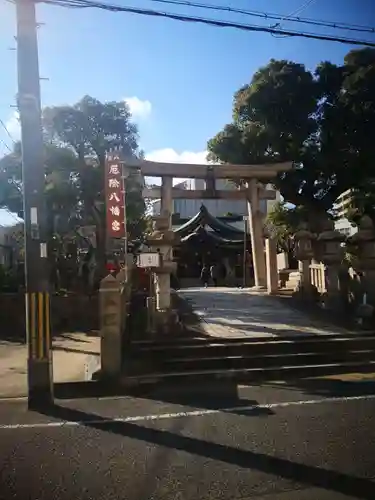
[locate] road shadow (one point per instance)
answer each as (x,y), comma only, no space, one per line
(208,396)
(330,480)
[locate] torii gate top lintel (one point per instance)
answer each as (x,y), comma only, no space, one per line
(221,171)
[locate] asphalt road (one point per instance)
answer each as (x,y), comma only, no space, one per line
(311,442)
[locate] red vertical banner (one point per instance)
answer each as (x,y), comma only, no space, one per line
(114,199)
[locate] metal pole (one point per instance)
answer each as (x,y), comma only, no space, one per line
(40,379)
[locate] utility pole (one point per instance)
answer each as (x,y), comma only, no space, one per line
(38,331)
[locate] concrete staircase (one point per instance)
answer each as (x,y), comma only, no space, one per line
(200,359)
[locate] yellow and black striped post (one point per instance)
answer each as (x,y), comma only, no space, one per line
(38,325)
(38,330)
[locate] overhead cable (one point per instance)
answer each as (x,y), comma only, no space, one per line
(211,22)
(6,145)
(271,16)
(6,130)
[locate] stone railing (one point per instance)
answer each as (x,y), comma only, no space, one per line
(318,276)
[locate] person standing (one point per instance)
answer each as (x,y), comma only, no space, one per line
(214,271)
(205,276)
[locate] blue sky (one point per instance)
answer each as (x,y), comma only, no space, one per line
(181,76)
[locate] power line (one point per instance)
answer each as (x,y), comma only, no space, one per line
(207,21)
(6,145)
(300,9)
(6,130)
(268,16)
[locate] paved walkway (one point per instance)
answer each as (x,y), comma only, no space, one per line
(234,312)
(73,353)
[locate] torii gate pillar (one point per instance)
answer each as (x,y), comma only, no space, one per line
(256,232)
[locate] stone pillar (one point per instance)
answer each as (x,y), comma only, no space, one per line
(163,279)
(304,269)
(111,323)
(304,254)
(163,290)
(271,264)
(166,205)
(256,232)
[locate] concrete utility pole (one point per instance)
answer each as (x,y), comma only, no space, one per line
(38,331)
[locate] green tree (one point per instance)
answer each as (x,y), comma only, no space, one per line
(77,139)
(322,122)
(61,191)
(91,129)
(283,221)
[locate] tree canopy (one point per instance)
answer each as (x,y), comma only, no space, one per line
(283,222)
(323,121)
(77,139)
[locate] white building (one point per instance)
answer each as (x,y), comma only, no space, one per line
(341,207)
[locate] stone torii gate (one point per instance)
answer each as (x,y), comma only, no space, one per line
(252,191)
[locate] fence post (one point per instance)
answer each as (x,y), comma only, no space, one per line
(111,322)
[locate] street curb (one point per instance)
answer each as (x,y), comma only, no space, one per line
(92,365)
(13,399)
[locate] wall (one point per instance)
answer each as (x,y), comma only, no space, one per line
(75,313)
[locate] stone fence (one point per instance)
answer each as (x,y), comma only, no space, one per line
(318,276)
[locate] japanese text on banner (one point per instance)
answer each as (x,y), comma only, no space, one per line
(114,200)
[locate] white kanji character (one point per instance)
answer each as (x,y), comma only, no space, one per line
(114,183)
(115,211)
(116,226)
(113,196)
(114,170)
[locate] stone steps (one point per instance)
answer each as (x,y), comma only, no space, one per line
(246,358)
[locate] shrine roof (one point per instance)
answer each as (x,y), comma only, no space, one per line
(220,229)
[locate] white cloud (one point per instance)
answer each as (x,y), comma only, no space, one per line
(13,126)
(140,110)
(169,155)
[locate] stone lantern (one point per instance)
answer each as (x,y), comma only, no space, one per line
(364,241)
(161,241)
(304,253)
(330,242)
(332,252)
(303,249)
